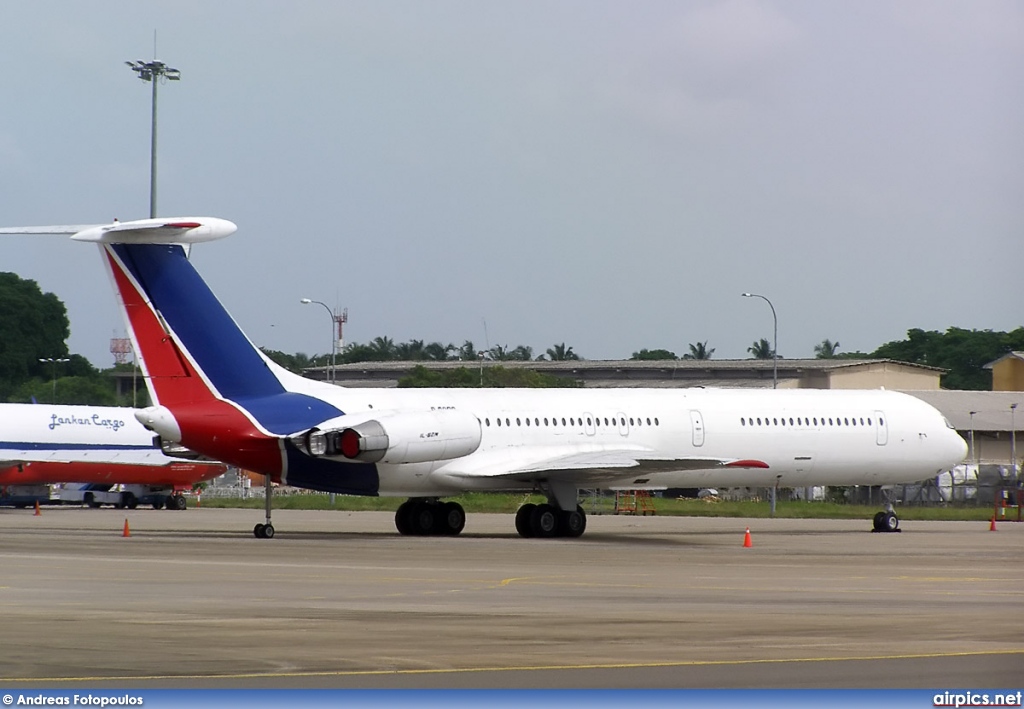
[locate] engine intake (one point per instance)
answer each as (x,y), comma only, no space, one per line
(408,437)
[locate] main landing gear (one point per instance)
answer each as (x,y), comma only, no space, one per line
(886,521)
(547,521)
(425,516)
(265,531)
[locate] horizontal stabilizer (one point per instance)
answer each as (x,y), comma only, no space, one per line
(181,230)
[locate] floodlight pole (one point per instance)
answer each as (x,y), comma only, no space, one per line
(55,361)
(775,338)
(151,72)
(334,342)
(1013,439)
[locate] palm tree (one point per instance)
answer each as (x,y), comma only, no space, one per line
(762,349)
(826,350)
(468,353)
(383,348)
(410,351)
(522,353)
(699,351)
(560,353)
(437,352)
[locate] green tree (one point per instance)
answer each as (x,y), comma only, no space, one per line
(468,352)
(826,349)
(296,363)
(963,352)
(646,354)
(410,351)
(438,352)
(356,352)
(762,349)
(502,353)
(32,325)
(699,351)
(560,353)
(384,349)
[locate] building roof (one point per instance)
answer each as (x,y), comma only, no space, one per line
(1008,355)
(991,408)
(727,373)
(790,366)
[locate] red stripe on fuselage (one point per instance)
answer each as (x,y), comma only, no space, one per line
(208,424)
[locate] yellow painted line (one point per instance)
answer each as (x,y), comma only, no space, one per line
(522,668)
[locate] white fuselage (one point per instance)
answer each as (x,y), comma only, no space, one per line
(806,437)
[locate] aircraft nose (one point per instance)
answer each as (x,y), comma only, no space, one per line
(957,448)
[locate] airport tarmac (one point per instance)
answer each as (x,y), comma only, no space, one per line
(339,599)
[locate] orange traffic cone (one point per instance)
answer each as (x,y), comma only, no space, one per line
(38,511)
(746,539)
(992,524)
(127,532)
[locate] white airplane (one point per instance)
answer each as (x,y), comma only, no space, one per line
(218,395)
(101,445)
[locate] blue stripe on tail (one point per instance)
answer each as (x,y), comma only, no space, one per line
(211,337)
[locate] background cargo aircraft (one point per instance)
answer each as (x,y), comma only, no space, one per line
(218,395)
(101,445)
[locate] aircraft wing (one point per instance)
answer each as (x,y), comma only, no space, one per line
(151,456)
(582,467)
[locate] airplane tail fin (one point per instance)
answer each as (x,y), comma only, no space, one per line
(191,350)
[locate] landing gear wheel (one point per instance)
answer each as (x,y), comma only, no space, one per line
(523,516)
(403,523)
(259,531)
(544,521)
(176,502)
(877,524)
(453,518)
(886,522)
(268,531)
(423,518)
(572,523)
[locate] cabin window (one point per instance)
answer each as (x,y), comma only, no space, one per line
(743,421)
(519,422)
(656,423)
(588,421)
(487,422)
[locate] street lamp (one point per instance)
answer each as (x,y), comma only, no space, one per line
(775,338)
(1013,439)
(334,347)
(151,71)
(55,361)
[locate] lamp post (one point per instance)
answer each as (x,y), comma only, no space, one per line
(1013,439)
(55,361)
(775,338)
(334,344)
(151,71)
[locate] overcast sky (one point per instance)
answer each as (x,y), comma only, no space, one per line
(608,174)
